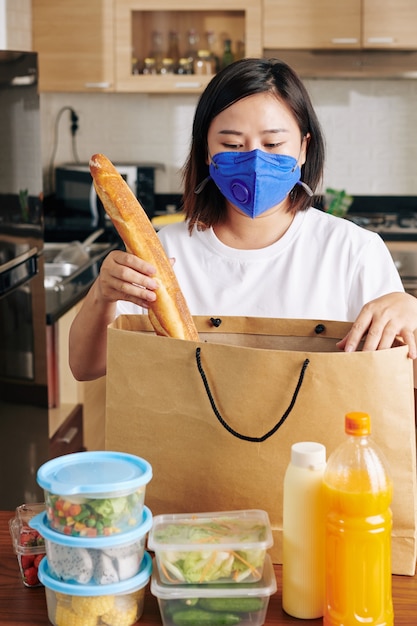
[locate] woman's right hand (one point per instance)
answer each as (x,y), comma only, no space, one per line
(123,276)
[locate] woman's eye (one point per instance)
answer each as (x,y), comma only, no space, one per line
(272,146)
(232,146)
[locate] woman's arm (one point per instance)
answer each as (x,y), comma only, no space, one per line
(122,277)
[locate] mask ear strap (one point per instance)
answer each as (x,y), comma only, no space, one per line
(201,185)
(306,188)
(204,182)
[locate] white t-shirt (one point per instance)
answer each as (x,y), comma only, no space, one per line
(324,267)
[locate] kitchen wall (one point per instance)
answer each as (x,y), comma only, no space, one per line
(369,125)
(15,24)
(370,128)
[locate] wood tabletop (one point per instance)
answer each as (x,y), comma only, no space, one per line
(20,605)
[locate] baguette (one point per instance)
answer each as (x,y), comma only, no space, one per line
(169,314)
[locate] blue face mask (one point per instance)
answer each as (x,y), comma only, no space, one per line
(255,181)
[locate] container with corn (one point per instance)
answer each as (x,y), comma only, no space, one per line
(96,568)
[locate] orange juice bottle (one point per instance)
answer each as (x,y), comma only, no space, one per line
(357,494)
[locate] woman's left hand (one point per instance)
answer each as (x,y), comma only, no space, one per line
(381,321)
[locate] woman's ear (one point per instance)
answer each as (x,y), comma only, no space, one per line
(304,149)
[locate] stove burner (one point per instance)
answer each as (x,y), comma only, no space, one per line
(395,223)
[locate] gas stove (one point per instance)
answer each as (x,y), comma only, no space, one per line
(388,225)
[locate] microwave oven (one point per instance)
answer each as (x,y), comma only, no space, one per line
(75,192)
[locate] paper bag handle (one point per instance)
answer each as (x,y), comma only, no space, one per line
(226,425)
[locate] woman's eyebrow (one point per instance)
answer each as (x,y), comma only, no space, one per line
(264,132)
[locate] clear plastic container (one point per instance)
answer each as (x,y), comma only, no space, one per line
(202,548)
(121,603)
(245,604)
(94,494)
(95,561)
(357,492)
(28,544)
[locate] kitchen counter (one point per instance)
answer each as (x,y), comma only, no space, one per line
(65,295)
(21,605)
(62,298)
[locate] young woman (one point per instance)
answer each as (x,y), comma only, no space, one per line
(251,243)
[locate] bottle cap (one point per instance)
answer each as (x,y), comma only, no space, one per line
(308,454)
(357,424)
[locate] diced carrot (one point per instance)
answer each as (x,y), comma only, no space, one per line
(74,509)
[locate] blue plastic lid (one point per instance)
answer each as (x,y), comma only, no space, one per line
(40,523)
(125,586)
(105,474)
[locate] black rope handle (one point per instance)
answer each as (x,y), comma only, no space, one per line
(226,425)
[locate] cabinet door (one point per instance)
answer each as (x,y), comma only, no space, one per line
(309,24)
(390,24)
(238,20)
(74,41)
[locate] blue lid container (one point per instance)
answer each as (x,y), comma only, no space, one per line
(94,494)
(118,603)
(94,560)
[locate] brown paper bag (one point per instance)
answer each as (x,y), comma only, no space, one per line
(216,419)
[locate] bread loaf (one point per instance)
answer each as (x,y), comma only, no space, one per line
(169,314)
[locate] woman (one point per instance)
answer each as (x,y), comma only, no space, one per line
(251,244)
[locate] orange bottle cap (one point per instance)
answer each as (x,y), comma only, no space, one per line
(357,423)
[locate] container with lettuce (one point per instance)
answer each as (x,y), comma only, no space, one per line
(227,547)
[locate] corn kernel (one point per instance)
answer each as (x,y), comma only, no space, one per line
(92,605)
(65,616)
(124,612)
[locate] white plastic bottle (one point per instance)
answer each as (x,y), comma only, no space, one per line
(303,532)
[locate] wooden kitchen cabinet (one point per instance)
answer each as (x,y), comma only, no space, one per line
(74,41)
(345,24)
(238,20)
(90,45)
(306,24)
(72,394)
(390,24)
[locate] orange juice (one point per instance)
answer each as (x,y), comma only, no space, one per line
(358,552)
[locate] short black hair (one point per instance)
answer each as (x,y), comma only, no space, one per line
(238,80)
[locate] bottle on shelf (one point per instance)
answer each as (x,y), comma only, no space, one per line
(203,64)
(149,66)
(185,66)
(173,51)
(192,45)
(357,495)
(240,49)
(210,37)
(228,56)
(167,66)
(157,49)
(303,532)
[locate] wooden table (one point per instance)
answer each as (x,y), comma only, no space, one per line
(22,605)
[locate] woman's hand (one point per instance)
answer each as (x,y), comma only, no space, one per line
(123,276)
(381,321)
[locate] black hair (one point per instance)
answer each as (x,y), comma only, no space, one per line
(244,78)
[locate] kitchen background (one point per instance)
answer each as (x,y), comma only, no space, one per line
(369,124)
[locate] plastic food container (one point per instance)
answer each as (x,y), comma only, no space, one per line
(245,604)
(94,494)
(203,548)
(28,543)
(97,560)
(120,605)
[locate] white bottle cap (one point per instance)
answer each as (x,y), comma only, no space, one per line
(308,454)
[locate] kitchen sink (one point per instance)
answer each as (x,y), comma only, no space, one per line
(60,273)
